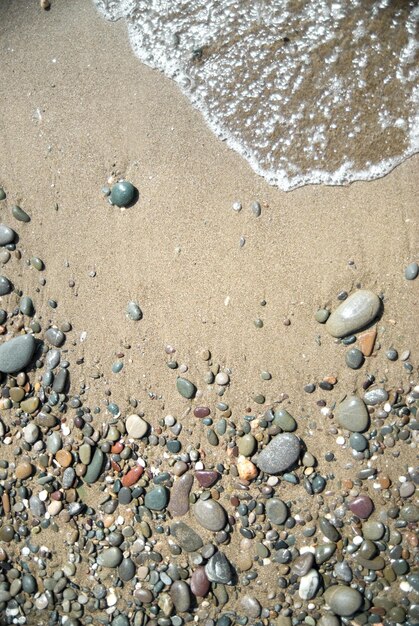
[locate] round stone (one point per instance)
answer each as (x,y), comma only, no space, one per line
(344,601)
(222,378)
(111,557)
(5,286)
(29,584)
(352,414)
(284,420)
(64,458)
(276,511)
(55,337)
(410,513)
(322,315)
(219,570)
(134,312)
(136,426)
(187,538)
(181,596)
(210,515)
(122,193)
(358,442)
(251,606)
(17,353)
(354,358)
(362,507)
(185,388)
(31,433)
(7,235)
(199,582)
(280,454)
(412,271)
(373,530)
(157,498)
(30,405)
(247,445)
(356,312)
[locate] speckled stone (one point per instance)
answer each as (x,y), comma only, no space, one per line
(179,495)
(375,396)
(280,454)
(55,337)
(219,570)
(352,414)
(344,601)
(247,445)
(17,353)
(284,420)
(210,515)
(356,312)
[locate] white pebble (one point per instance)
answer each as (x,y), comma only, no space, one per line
(222,378)
(340,441)
(357,540)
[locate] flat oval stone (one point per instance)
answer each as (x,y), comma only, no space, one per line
(410,513)
(280,454)
(136,426)
(111,557)
(328,529)
(309,585)
(187,538)
(362,507)
(247,445)
(210,515)
(323,552)
(356,312)
(354,358)
(17,353)
(24,470)
(157,498)
(134,312)
(412,271)
(7,235)
(378,395)
(61,381)
(185,388)
(284,420)
(52,358)
(276,511)
(344,601)
(181,596)
(26,306)
(352,414)
(5,286)
(179,495)
(219,570)
(373,530)
(95,466)
(30,405)
(122,193)
(55,337)
(199,582)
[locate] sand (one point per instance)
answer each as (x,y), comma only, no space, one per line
(77,106)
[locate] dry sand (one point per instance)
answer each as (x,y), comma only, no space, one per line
(77,106)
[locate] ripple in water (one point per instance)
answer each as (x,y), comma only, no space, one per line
(308,92)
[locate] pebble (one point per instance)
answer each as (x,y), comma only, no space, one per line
(132,476)
(122,193)
(136,426)
(157,498)
(251,606)
(2,194)
(206,478)
(19,214)
(26,306)
(309,585)
(5,286)
(55,337)
(24,470)
(210,515)
(187,538)
(322,315)
(354,358)
(373,530)
(412,271)
(181,596)
(134,312)
(247,445)
(356,312)
(284,420)
(280,454)
(375,396)
(95,467)
(7,235)
(200,584)
(126,569)
(276,511)
(219,570)
(185,388)
(17,353)
(110,557)
(179,495)
(362,506)
(303,564)
(352,414)
(344,601)
(366,342)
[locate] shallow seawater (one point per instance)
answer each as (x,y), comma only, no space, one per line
(307,92)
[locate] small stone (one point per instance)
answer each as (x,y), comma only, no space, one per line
(251,606)
(280,454)
(200,584)
(136,426)
(2,194)
(373,530)
(30,405)
(344,601)
(222,378)
(7,235)
(354,358)
(206,478)
(36,506)
(187,538)
(110,557)
(362,507)
(302,564)
(284,420)
(24,470)
(179,495)
(26,306)
(134,312)
(366,342)
(94,469)
(181,596)
(246,469)
(55,337)
(219,570)
(356,312)
(210,515)
(61,381)
(132,476)
(276,511)
(322,315)
(17,353)
(375,396)
(122,193)
(31,433)
(352,414)
(323,552)
(247,445)
(126,570)
(309,585)
(157,498)
(185,388)
(19,214)
(410,513)
(64,458)
(328,530)
(412,271)
(5,286)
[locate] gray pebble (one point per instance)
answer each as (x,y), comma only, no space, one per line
(411,272)
(352,414)
(280,454)
(7,235)
(210,514)
(110,557)
(17,353)
(356,312)
(55,337)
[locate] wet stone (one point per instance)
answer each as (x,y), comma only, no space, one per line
(17,353)
(280,454)
(352,414)
(187,538)
(210,515)
(356,312)
(179,495)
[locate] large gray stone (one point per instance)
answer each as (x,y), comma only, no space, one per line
(210,515)
(344,601)
(356,312)
(16,354)
(280,453)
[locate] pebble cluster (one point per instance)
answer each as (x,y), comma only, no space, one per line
(220,516)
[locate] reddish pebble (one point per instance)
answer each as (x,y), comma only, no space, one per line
(206,478)
(115,466)
(362,507)
(201,411)
(56,495)
(117,447)
(132,476)
(199,582)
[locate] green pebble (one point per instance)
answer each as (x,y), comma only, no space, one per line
(266,375)
(20,214)
(322,315)
(157,498)
(95,467)
(2,194)
(284,420)
(26,306)
(247,445)
(37,263)
(185,388)
(259,398)
(258,323)
(212,437)
(122,193)
(117,367)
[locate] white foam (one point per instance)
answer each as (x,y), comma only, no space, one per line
(307,92)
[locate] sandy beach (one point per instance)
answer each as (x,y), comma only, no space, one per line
(77,108)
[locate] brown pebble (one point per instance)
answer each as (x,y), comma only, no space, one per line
(366,342)
(132,476)
(384,482)
(6,502)
(24,470)
(64,458)
(45,4)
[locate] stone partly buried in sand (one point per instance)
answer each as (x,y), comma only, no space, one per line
(356,312)
(16,354)
(352,414)
(280,454)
